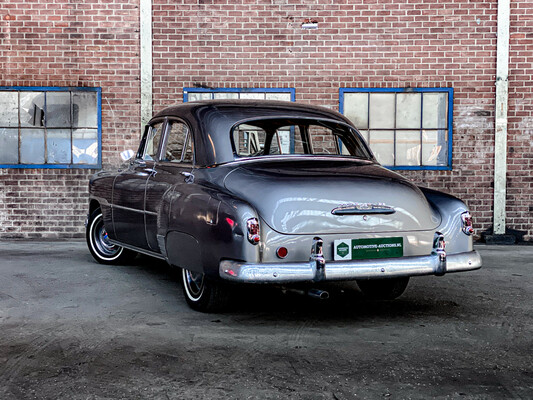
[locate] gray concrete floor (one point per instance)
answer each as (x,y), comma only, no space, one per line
(73,329)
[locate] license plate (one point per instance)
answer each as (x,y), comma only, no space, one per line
(364,249)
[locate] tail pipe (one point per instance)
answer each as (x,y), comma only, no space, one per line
(318,294)
(314,293)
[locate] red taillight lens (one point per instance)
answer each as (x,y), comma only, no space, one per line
(282,252)
(253,230)
(467,223)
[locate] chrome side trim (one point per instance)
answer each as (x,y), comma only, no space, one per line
(134,210)
(127,208)
(138,250)
(347,270)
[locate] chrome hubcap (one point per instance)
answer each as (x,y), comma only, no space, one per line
(194,282)
(101,240)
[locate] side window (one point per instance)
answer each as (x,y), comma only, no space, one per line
(152,141)
(179,143)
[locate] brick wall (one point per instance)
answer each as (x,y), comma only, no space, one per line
(68,43)
(357,44)
(260,43)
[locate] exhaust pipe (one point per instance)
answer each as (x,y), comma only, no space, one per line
(314,293)
(318,294)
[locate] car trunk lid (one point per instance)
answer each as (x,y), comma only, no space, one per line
(331,196)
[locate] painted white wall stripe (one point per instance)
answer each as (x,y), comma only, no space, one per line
(502,91)
(146,61)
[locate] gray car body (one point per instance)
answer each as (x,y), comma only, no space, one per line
(194,216)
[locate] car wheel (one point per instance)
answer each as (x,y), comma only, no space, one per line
(99,245)
(203,294)
(383,289)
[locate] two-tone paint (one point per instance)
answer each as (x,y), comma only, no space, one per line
(194,215)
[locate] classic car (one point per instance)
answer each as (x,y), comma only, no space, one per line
(265,192)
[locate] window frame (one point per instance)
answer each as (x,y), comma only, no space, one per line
(97,90)
(141,152)
(450,91)
(189,139)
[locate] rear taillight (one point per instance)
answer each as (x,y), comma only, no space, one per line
(467,223)
(253,230)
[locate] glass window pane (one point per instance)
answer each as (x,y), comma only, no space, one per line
(408,110)
(226,95)
(32,146)
(285,141)
(253,95)
(435,111)
(31,109)
(356,109)
(249,140)
(323,140)
(85,146)
(435,147)
(9,115)
(9,146)
(381,110)
(200,96)
(84,110)
(152,142)
(407,147)
(194,97)
(382,144)
(58,146)
(58,109)
(364,134)
(278,96)
(175,142)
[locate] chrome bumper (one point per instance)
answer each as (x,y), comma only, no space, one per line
(347,270)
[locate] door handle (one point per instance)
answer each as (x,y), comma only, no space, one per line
(189,177)
(151,171)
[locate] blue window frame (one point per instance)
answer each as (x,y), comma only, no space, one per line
(407,129)
(50,127)
(193,94)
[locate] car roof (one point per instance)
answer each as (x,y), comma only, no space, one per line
(236,106)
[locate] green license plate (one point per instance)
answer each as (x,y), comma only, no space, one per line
(364,249)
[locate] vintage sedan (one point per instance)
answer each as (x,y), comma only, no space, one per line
(236,192)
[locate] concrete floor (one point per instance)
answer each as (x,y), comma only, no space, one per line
(73,329)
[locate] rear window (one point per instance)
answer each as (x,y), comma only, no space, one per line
(269,137)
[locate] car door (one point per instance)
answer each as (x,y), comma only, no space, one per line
(173,173)
(128,201)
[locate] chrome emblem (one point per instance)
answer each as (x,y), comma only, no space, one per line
(363,208)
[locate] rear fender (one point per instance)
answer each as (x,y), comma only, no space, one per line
(219,232)
(450,209)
